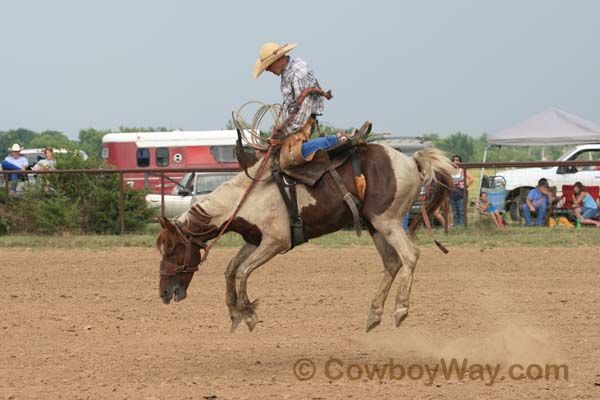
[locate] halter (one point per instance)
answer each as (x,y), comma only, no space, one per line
(168,268)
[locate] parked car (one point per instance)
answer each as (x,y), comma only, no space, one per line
(518,182)
(191,188)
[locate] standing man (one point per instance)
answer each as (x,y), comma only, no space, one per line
(296,77)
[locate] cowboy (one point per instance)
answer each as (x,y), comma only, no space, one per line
(296,77)
(15,161)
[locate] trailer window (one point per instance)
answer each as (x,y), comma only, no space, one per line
(223,154)
(143,157)
(162,156)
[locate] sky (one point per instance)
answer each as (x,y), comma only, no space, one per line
(410,67)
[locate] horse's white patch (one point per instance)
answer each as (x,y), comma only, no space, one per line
(305,199)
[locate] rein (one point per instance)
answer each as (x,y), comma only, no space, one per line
(274,141)
(189,238)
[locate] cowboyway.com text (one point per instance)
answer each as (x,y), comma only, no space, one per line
(336,369)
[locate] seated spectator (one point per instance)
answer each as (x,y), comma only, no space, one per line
(15,161)
(485,206)
(46,163)
(538,200)
(584,206)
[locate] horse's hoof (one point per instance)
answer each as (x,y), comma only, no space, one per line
(251,319)
(400,315)
(373,321)
(235,321)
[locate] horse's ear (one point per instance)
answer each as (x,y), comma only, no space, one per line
(166,224)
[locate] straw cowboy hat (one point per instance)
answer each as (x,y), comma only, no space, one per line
(15,147)
(268,54)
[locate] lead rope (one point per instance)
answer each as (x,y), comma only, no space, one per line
(273,142)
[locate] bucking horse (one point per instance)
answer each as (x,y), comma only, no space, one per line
(394,183)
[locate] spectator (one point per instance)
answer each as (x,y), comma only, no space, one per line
(47,163)
(458,195)
(537,201)
(584,206)
(485,206)
(15,161)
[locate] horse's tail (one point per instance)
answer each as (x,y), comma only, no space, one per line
(433,166)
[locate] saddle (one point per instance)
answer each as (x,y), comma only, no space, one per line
(323,162)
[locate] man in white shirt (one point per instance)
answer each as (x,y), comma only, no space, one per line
(15,161)
(15,157)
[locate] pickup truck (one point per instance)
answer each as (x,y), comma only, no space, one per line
(188,191)
(518,182)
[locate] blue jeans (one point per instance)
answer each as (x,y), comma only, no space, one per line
(588,213)
(405,221)
(313,145)
(7,166)
(458,211)
(540,214)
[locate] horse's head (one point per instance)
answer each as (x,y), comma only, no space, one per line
(180,259)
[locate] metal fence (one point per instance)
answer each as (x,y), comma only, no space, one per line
(161,173)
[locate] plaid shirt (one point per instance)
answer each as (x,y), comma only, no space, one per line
(296,77)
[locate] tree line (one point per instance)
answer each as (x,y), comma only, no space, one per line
(90,140)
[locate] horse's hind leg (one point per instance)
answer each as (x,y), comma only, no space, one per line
(231,293)
(391,264)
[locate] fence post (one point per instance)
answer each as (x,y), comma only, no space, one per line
(122,203)
(466,197)
(6,192)
(162,194)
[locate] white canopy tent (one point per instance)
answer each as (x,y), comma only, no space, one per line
(552,127)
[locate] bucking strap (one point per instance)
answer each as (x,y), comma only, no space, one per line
(349,198)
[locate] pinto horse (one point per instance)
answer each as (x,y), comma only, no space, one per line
(393,184)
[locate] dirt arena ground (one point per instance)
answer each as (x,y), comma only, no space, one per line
(89,324)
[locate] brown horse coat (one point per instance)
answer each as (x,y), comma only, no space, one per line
(393,184)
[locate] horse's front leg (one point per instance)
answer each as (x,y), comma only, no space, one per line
(264,252)
(231,294)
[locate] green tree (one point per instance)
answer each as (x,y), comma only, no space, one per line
(21,136)
(51,138)
(461,144)
(90,141)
